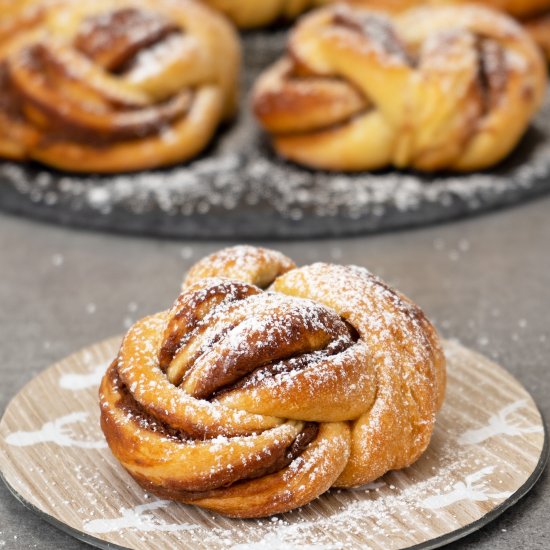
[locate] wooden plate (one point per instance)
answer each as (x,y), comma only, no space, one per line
(488,450)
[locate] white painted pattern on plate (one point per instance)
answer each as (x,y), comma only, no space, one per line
(499,424)
(275,533)
(473,488)
(57,431)
(139,517)
(78,381)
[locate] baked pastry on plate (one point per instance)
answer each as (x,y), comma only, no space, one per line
(103,86)
(253,402)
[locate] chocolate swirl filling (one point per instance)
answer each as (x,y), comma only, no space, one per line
(223,335)
(44,88)
(376,28)
(217,336)
(273,459)
(113,40)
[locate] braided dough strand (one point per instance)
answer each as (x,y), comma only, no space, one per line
(404,351)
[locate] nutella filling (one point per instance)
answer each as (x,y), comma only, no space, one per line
(376,28)
(492,72)
(112,40)
(271,461)
(38,79)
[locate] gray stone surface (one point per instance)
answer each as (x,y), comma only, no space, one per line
(485,281)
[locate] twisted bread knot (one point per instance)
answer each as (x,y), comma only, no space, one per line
(251,13)
(105,87)
(433,88)
(253,402)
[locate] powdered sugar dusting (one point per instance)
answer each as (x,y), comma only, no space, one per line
(270,388)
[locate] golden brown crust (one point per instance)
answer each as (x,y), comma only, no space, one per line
(431,88)
(251,13)
(249,264)
(245,14)
(97,86)
(517,8)
(539,28)
(252,402)
(534,14)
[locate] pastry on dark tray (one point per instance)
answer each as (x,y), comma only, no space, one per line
(431,88)
(102,86)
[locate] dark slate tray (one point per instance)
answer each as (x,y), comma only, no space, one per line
(240,189)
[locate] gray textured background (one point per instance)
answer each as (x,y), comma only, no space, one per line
(485,281)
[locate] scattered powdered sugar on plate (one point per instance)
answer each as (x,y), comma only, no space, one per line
(239,188)
(487,444)
(386,504)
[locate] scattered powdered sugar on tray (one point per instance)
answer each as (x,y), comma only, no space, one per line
(239,188)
